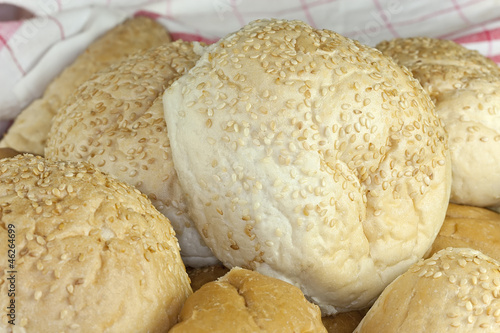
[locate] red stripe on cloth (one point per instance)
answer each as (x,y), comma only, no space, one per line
(191,37)
(482,36)
(460,12)
(437,13)
(237,13)
(59,25)
(307,13)
(168,12)
(7,29)
(146,13)
(388,23)
(12,55)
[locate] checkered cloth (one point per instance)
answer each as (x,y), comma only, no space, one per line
(38,38)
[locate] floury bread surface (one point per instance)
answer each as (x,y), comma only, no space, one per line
(309,157)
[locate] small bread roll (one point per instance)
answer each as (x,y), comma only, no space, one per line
(246,301)
(467,226)
(92,253)
(115,121)
(466,89)
(309,157)
(456,290)
(29,131)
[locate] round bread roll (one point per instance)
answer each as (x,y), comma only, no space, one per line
(115,121)
(246,301)
(316,160)
(466,89)
(29,131)
(92,253)
(456,290)
(467,226)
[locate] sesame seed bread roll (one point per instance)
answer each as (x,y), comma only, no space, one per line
(467,226)
(247,301)
(465,87)
(456,290)
(316,160)
(29,131)
(115,121)
(92,253)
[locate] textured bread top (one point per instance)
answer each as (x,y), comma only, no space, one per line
(246,301)
(316,160)
(466,89)
(467,226)
(92,253)
(115,121)
(30,129)
(456,290)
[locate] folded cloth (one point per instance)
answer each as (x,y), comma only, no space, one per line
(39,38)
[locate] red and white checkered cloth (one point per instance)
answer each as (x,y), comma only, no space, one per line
(38,38)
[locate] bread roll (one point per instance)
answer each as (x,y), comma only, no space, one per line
(456,290)
(115,121)
(316,160)
(92,253)
(246,301)
(467,226)
(29,131)
(466,89)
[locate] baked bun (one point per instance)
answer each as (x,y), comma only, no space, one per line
(115,121)
(246,301)
(467,226)
(456,290)
(466,89)
(309,157)
(92,253)
(29,131)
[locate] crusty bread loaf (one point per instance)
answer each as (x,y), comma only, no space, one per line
(92,253)
(246,301)
(309,157)
(29,131)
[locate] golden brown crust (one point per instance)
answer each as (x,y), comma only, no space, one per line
(467,226)
(203,275)
(455,290)
(92,253)
(345,322)
(8,152)
(246,301)
(29,131)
